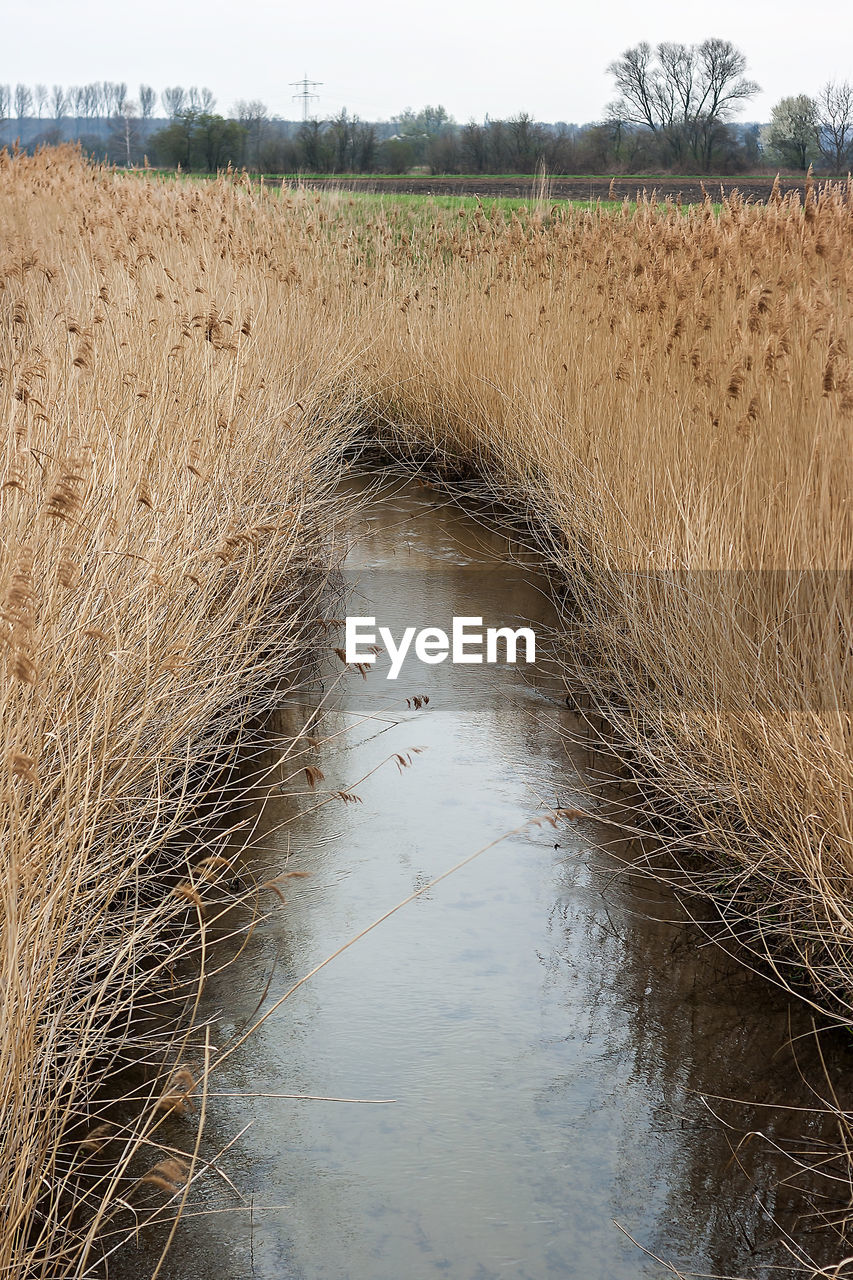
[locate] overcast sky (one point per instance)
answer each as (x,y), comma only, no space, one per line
(547,57)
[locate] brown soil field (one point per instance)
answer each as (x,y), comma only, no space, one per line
(690,189)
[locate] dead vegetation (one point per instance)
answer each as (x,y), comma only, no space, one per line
(166,469)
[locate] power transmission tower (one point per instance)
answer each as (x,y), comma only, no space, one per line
(305,86)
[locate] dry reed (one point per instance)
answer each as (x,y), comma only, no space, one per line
(168,455)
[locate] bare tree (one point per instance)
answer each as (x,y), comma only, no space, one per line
(58,101)
(5,102)
(340,132)
(173,100)
(200,101)
(113,95)
(76,100)
(124,135)
(253,116)
(682,92)
(311,141)
(722,85)
(91,100)
(23,102)
(638,82)
(147,101)
(474,147)
(722,90)
(364,142)
(42,99)
(835,125)
(526,142)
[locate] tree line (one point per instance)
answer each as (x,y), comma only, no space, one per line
(674,110)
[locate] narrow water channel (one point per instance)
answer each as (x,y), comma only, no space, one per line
(552,1034)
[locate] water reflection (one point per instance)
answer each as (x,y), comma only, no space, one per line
(545,1028)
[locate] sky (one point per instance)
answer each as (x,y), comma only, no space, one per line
(377,57)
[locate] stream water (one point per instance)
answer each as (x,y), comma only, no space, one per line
(553,1034)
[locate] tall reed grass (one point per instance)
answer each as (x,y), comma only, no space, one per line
(666,394)
(167,462)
